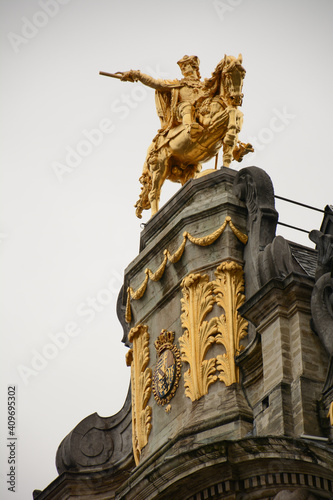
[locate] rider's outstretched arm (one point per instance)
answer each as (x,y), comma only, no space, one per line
(149,81)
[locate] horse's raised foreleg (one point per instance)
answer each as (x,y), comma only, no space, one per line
(231,137)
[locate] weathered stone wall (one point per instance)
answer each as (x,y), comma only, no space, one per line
(294,361)
(208,201)
(261,435)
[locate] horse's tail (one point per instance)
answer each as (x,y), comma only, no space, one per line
(143,202)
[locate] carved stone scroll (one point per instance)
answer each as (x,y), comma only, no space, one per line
(265,255)
(229,287)
(197,302)
(141,378)
(99,443)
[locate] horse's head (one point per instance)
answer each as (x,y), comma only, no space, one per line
(232,80)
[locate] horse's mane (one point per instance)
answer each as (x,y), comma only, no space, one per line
(212,85)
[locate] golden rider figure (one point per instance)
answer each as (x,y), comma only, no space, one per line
(176,100)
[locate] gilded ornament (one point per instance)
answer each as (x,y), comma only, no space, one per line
(197,119)
(241,236)
(141,380)
(157,275)
(330,413)
(178,254)
(206,240)
(166,374)
(173,258)
(229,288)
(199,335)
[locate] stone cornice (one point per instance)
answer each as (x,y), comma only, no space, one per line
(180,199)
(243,460)
(279,296)
(225,466)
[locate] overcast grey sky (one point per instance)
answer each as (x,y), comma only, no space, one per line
(68,228)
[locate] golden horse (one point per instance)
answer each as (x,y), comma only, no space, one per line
(178,154)
(195,124)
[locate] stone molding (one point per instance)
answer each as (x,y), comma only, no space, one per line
(284,463)
(250,468)
(183,197)
(307,486)
(278,297)
(250,362)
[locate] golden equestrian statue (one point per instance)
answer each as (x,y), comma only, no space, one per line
(197,119)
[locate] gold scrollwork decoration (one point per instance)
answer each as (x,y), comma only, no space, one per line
(141,380)
(330,413)
(173,258)
(197,302)
(229,287)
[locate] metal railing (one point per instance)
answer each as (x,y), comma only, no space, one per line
(301,205)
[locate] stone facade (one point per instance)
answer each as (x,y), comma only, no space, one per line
(230,386)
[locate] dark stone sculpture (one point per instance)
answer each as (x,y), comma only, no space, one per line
(98,443)
(121,308)
(322,304)
(275,260)
(322,295)
(265,255)
(322,310)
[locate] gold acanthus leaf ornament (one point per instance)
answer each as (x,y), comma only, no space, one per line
(198,298)
(199,335)
(229,288)
(141,381)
